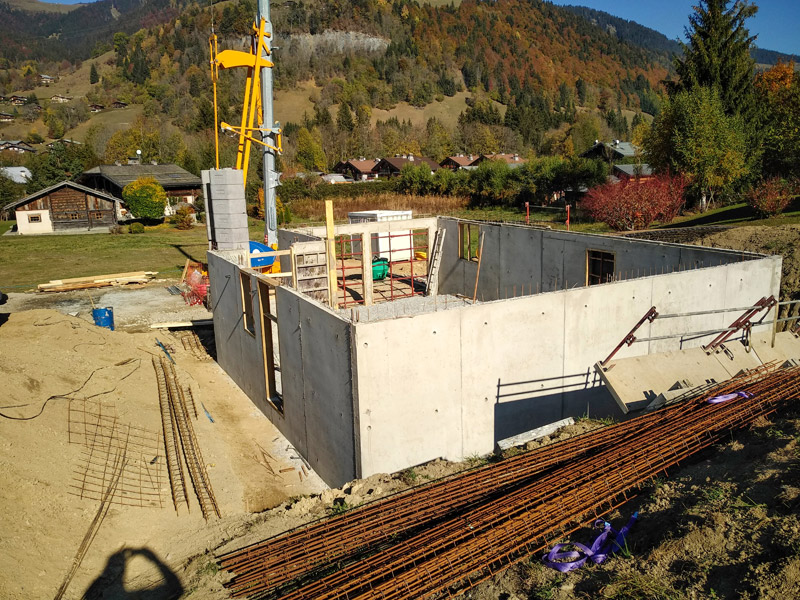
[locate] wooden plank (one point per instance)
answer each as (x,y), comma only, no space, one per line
(95,278)
(182,324)
(333,292)
(366,267)
(373,227)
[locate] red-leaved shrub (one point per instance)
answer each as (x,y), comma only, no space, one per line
(635,204)
(771,196)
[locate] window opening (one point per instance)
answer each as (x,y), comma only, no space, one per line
(247,303)
(469,235)
(600,267)
(270,346)
(34,218)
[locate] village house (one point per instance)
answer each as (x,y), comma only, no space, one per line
(178,183)
(65,206)
(610,151)
(17,146)
(459,161)
(391,167)
(60,99)
(361,169)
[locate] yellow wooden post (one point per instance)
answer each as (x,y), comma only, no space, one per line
(333,289)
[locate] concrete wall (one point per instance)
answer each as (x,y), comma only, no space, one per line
(26,228)
(315,364)
(532,259)
(453,383)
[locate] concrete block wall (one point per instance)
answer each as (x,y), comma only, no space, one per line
(226,209)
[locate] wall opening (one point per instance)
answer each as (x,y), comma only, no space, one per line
(34,218)
(468,235)
(247,303)
(599,266)
(270,345)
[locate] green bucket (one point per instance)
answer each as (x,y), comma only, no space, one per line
(380,268)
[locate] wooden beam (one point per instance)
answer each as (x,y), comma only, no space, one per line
(330,236)
(366,267)
(373,227)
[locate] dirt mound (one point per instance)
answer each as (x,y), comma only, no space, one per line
(783,240)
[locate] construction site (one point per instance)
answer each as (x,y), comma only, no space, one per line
(403,406)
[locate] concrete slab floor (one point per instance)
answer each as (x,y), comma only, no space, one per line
(135,307)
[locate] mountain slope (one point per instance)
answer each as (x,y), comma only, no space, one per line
(637,34)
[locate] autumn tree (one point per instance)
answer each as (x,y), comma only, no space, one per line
(692,135)
(309,151)
(636,204)
(778,91)
(145,198)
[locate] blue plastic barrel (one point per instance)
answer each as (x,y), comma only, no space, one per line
(104,317)
(261,255)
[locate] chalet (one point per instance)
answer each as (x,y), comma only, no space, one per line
(16,174)
(60,99)
(610,151)
(66,142)
(95,108)
(46,79)
(65,206)
(459,161)
(180,185)
(6,117)
(361,169)
(390,167)
(118,104)
(18,100)
(640,172)
(17,146)
(512,160)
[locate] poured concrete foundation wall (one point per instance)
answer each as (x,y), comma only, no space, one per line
(453,383)
(412,383)
(530,260)
(315,367)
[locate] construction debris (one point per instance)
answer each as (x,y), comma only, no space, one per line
(97,281)
(448,536)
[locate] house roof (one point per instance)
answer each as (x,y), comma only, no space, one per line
(398,162)
(16,174)
(362,165)
(615,149)
(168,175)
(461,160)
(59,185)
(644,170)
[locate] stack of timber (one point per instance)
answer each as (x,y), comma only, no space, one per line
(97,281)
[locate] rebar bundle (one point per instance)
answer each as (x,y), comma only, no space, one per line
(450,535)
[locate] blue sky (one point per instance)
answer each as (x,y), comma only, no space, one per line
(777,22)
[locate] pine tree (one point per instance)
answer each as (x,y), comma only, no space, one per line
(718,54)
(93,76)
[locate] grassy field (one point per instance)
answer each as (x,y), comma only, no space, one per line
(36,6)
(30,260)
(738,214)
(6,225)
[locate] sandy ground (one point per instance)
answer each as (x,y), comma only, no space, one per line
(46,354)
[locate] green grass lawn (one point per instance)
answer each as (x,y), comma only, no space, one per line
(6,225)
(738,214)
(27,261)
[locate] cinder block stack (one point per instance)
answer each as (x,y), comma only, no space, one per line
(226,209)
